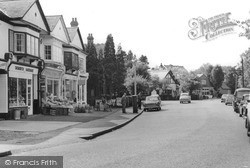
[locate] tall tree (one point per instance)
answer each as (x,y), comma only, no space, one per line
(92,69)
(109,64)
(231,79)
(120,73)
(217,77)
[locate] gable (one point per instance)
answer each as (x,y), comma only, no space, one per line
(77,41)
(60,32)
(35,17)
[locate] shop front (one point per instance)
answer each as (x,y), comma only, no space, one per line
(22,88)
(51,80)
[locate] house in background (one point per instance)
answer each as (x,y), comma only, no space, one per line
(206,88)
(170,87)
(171,76)
(224,89)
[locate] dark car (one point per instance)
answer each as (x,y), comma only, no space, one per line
(244,105)
(247,123)
(152,102)
(238,94)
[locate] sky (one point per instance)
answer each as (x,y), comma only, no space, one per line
(157,29)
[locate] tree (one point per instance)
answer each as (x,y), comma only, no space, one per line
(92,69)
(231,79)
(109,65)
(120,73)
(191,85)
(217,77)
(144,59)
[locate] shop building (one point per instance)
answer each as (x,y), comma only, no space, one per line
(21,24)
(51,82)
(64,76)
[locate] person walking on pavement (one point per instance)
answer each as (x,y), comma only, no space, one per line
(139,100)
(124,102)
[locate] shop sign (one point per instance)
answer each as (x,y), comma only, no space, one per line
(23,69)
(210,28)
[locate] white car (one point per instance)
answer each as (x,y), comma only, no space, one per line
(185,97)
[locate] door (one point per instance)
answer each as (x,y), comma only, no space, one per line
(29,97)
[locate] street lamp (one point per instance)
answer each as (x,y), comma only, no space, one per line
(135,90)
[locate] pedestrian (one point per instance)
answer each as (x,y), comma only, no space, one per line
(139,101)
(124,102)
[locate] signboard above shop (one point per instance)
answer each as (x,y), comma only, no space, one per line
(24,69)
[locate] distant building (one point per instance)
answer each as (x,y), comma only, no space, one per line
(171,76)
(207,89)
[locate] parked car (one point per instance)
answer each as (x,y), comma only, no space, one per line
(229,99)
(152,102)
(185,97)
(223,98)
(248,125)
(238,94)
(243,104)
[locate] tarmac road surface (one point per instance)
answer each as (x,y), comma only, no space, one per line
(198,135)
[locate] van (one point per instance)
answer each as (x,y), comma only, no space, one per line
(238,94)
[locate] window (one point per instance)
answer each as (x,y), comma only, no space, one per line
(53,87)
(23,43)
(18,92)
(47,52)
(19,42)
(71,60)
(203,82)
(81,64)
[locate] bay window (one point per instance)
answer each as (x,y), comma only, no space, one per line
(20,42)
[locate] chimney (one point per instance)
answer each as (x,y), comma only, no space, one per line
(74,22)
(90,39)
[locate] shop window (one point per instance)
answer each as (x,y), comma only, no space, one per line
(53,87)
(49,87)
(47,52)
(18,92)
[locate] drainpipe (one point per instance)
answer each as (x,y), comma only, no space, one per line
(41,67)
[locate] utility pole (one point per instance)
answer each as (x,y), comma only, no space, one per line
(242,67)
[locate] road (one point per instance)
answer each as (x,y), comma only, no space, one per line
(197,135)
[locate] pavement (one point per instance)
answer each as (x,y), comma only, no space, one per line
(47,131)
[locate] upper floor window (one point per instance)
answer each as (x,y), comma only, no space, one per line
(203,82)
(47,52)
(71,60)
(20,42)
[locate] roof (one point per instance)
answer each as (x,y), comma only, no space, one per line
(224,86)
(52,21)
(72,32)
(15,8)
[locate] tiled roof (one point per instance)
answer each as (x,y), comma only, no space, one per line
(72,32)
(15,8)
(52,21)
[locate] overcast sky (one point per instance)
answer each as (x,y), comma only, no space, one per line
(157,28)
